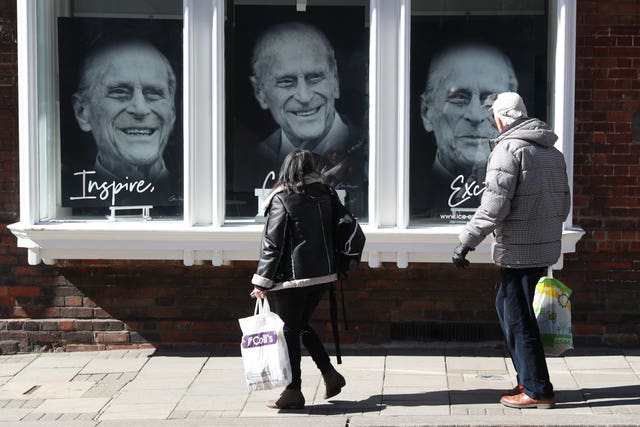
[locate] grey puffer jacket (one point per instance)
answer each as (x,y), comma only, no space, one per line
(526,198)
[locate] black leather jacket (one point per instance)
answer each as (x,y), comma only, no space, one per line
(297,243)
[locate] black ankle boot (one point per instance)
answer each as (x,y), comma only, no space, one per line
(289,399)
(333,382)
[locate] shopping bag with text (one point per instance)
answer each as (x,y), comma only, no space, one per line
(264,349)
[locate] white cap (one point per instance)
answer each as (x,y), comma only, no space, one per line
(509,104)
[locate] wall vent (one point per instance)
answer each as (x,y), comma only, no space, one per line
(433,331)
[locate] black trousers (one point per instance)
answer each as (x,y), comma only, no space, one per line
(295,307)
(514,304)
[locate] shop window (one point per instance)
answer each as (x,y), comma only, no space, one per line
(120,115)
(296,78)
(111,91)
(209,109)
(461,56)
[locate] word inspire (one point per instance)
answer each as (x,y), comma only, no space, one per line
(259,339)
(109,190)
(463,191)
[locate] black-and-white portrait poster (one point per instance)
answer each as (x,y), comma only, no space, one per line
(457,63)
(296,80)
(121,113)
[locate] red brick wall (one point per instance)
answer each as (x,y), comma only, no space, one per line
(100,304)
(605,271)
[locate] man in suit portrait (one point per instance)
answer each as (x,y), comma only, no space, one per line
(455,106)
(126,100)
(295,77)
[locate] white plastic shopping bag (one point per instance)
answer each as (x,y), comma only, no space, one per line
(264,350)
(552,308)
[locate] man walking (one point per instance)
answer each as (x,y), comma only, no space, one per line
(525,202)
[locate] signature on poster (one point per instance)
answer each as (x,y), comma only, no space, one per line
(109,189)
(463,191)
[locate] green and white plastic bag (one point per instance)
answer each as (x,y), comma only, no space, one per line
(552,308)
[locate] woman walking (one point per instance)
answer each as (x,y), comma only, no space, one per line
(296,266)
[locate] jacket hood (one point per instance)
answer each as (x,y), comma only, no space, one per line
(533,130)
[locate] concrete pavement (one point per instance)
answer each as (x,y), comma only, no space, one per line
(421,385)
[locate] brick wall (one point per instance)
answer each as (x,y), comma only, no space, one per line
(98,304)
(606,270)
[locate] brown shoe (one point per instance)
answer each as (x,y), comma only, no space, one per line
(523,401)
(516,390)
(333,383)
(289,399)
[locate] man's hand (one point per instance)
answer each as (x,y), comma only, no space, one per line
(459,254)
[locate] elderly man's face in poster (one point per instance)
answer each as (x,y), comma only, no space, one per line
(299,88)
(130,109)
(454,110)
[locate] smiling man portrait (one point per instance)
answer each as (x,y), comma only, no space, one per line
(126,99)
(295,77)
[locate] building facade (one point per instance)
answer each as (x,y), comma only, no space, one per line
(95,256)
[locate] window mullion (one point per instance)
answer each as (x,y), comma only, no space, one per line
(28,110)
(403,113)
(218,112)
(564,79)
(198,113)
(385,41)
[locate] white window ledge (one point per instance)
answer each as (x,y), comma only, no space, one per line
(220,245)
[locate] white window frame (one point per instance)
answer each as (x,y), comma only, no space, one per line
(202,236)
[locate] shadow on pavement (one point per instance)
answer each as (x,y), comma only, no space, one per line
(592,397)
(448,349)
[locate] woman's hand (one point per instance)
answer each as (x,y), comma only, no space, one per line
(257,293)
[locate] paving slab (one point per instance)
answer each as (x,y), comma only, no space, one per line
(610,379)
(45,375)
(486,364)
(394,378)
(106,366)
(258,409)
(9,368)
(597,362)
(493,420)
(296,421)
(168,395)
(61,390)
(223,363)
(207,403)
(13,414)
(563,381)
(213,387)
(124,354)
(414,410)
(135,412)
(168,365)
(146,388)
(61,360)
(75,406)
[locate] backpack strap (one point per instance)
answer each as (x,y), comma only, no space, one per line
(333,309)
(344,307)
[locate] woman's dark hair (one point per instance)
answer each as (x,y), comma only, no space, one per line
(295,166)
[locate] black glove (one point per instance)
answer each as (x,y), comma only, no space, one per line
(459,254)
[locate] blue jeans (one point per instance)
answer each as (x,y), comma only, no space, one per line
(515,312)
(295,307)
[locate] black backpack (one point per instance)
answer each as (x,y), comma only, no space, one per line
(348,237)
(348,243)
